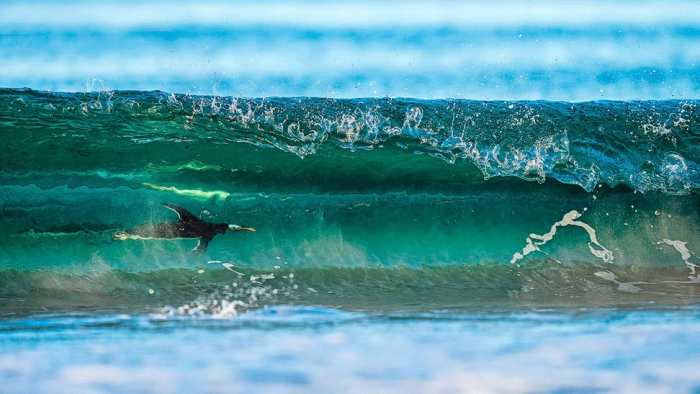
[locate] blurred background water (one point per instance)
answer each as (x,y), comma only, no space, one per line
(501,50)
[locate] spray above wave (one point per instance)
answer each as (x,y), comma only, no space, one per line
(646,145)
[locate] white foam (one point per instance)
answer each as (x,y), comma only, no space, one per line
(228,266)
(229,309)
(609,276)
(534,241)
(686,254)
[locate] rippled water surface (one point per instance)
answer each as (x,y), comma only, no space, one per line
(297,349)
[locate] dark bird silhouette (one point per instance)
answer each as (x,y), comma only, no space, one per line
(189,226)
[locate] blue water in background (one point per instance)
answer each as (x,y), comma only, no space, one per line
(539,50)
(507,50)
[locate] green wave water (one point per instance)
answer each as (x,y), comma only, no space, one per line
(385,203)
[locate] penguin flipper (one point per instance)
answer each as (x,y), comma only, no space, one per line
(181,212)
(201,246)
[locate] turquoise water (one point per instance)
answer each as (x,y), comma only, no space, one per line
(401,244)
(462,199)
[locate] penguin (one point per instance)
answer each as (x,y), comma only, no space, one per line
(189,226)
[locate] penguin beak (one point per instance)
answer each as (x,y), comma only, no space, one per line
(235,227)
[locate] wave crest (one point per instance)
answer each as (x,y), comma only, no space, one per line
(646,145)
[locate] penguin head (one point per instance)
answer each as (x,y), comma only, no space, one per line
(235,227)
(120,235)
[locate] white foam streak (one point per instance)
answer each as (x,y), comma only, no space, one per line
(228,266)
(622,286)
(534,241)
(686,254)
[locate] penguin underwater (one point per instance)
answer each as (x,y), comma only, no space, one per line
(189,226)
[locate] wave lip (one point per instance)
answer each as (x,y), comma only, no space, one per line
(646,145)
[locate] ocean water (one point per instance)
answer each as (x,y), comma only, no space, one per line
(447,197)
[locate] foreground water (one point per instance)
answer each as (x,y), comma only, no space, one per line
(302,349)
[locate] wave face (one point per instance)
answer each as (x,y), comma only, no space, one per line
(646,145)
(350,196)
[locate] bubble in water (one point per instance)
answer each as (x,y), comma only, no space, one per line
(348,129)
(414,115)
(675,171)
